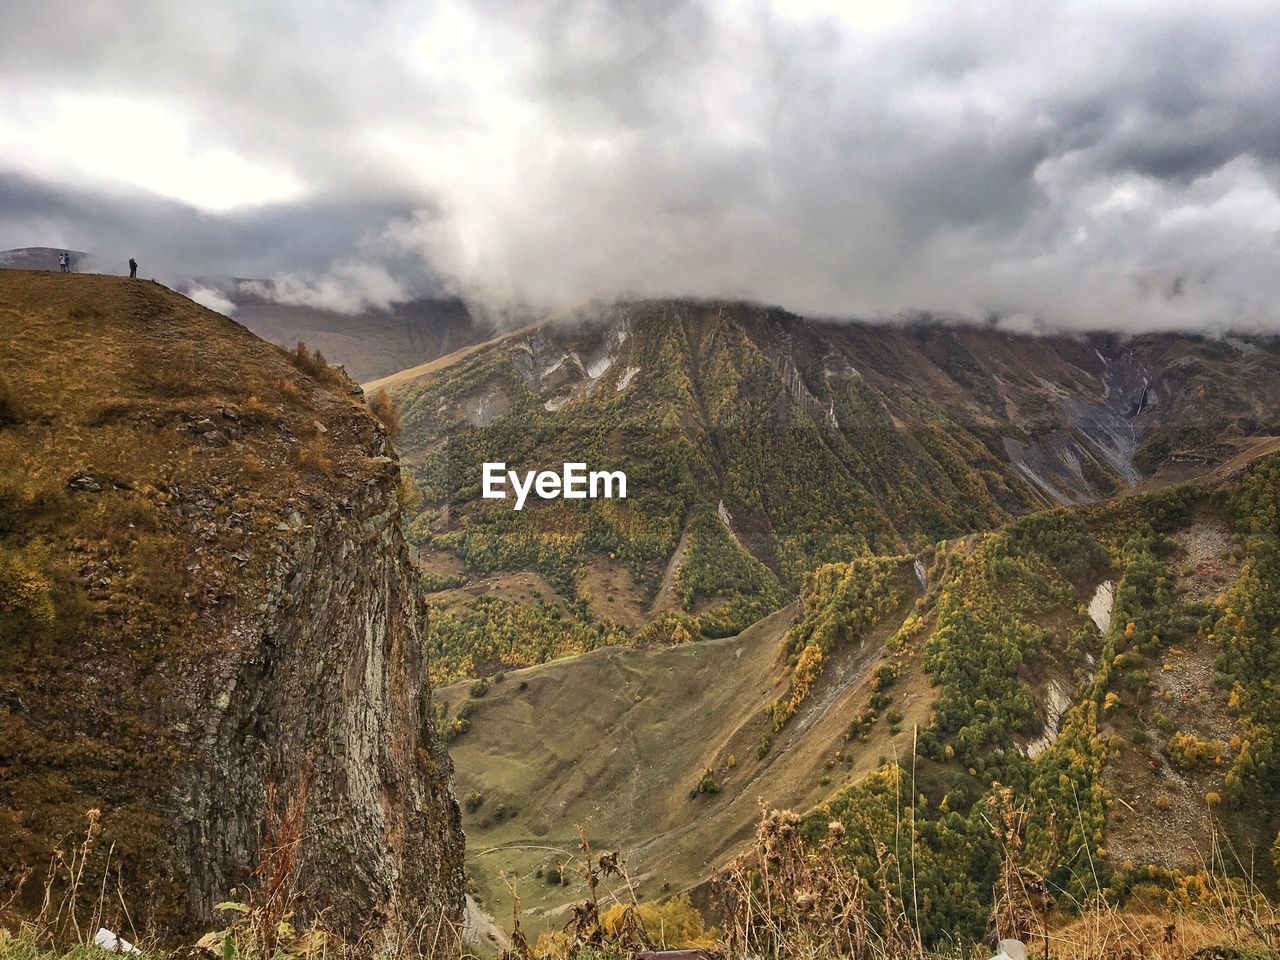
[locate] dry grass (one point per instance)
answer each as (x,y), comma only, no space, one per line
(9,409)
(380,406)
(781,900)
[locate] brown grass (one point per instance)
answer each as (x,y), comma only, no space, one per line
(9,410)
(380,406)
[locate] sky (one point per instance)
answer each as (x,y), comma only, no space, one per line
(1054,164)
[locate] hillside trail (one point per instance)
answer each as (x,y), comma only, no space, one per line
(479,928)
(634,743)
(666,597)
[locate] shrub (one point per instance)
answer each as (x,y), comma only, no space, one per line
(672,924)
(380,406)
(314,365)
(473,801)
(706,784)
(290,391)
(1187,751)
(313,458)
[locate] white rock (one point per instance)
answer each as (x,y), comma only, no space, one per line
(113,942)
(1011,950)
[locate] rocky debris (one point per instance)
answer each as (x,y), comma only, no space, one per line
(1058,701)
(921,573)
(213,433)
(83,480)
(1101,606)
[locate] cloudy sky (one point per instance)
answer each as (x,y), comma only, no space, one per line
(1085,164)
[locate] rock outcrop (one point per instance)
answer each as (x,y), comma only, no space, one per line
(230,622)
(328,695)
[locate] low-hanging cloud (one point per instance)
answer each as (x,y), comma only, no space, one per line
(1073,165)
(213,299)
(348,286)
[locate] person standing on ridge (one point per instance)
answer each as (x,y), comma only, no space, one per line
(64,263)
(133,268)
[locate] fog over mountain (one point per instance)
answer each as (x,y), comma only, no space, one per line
(1072,165)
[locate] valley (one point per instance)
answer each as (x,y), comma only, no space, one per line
(618,481)
(1022,514)
(863,573)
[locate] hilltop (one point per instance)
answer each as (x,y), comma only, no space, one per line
(368,342)
(207,613)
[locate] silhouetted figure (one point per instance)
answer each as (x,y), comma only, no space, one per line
(64,262)
(133,268)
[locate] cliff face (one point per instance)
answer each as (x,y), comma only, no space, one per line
(329,696)
(226,618)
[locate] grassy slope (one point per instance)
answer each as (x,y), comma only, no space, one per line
(616,739)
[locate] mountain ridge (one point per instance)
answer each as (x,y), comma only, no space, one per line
(768,444)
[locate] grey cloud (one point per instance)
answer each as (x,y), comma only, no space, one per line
(1077,164)
(171,238)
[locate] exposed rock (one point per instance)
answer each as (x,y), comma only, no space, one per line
(1100,607)
(330,678)
(1058,701)
(83,481)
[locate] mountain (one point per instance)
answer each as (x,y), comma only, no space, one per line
(209,622)
(39,258)
(934,572)
(367,343)
(759,445)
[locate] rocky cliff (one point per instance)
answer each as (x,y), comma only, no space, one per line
(216,617)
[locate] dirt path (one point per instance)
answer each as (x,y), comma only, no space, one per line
(480,929)
(666,598)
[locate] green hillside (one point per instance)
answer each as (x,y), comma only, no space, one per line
(1103,670)
(759,446)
